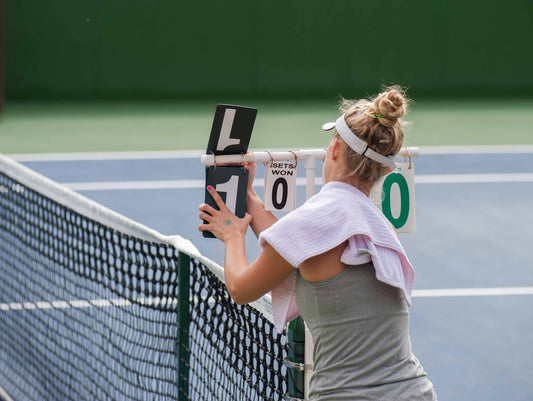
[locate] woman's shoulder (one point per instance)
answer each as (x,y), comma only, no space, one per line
(346,199)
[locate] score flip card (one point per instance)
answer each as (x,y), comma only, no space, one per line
(280,186)
(231,130)
(230,134)
(231,183)
(394,195)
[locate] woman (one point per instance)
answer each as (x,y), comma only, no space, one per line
(338,262)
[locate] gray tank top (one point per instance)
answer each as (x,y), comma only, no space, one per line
(360,330)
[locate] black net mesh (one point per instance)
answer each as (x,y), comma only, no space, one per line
(90,313)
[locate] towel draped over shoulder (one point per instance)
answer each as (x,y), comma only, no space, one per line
(338,213)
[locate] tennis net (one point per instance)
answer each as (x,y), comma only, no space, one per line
(94,306)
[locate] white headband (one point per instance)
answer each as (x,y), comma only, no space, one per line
(357,144)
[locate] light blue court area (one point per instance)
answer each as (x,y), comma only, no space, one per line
(471,319)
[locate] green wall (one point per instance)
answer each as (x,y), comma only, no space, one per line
(91,49)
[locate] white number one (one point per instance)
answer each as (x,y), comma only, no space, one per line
(227,123)
(230,188)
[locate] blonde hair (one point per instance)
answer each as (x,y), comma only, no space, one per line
(378,123)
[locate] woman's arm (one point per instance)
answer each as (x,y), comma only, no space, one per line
(245,282)
(262,219)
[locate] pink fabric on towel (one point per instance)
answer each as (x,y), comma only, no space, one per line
(339,212)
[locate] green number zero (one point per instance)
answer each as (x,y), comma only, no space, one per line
(398,179)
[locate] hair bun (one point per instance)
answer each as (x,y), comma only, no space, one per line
(392,105)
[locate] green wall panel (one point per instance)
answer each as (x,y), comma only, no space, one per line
(49,47)
(63,49)
(165,47)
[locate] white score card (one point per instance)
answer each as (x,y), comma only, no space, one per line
(280,186)
(394,195)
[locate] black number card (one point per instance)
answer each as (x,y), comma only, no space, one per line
(231,130)
(231,183)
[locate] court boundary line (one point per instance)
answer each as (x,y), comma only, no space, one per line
(473,178)
(300,181)
(192,154)
(89,156)
(472,292)
(123,302)
(475,149)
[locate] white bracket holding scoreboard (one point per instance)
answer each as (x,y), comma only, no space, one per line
(230,135)
(394,194)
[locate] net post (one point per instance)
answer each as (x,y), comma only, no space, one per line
(295,359)
(183,350)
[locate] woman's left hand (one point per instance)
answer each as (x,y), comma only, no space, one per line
(222,223)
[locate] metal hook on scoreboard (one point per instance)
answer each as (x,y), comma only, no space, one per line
(409,156)
(271,159)
(214,161)
(295,158)
(243,163)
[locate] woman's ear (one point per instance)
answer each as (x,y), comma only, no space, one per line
(336,149)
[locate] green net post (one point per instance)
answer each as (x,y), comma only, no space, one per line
(295,358)
(184,264)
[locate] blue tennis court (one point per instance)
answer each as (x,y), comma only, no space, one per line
(474,287)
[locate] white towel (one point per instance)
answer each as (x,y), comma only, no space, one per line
(339,212)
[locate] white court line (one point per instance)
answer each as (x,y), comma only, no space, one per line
(473,178)
(472,292)
(136,155)
(127,185)
(98,303)
(475,149)
(259,182)
(192,154)
(51,157)
(121,302)
(80,304)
